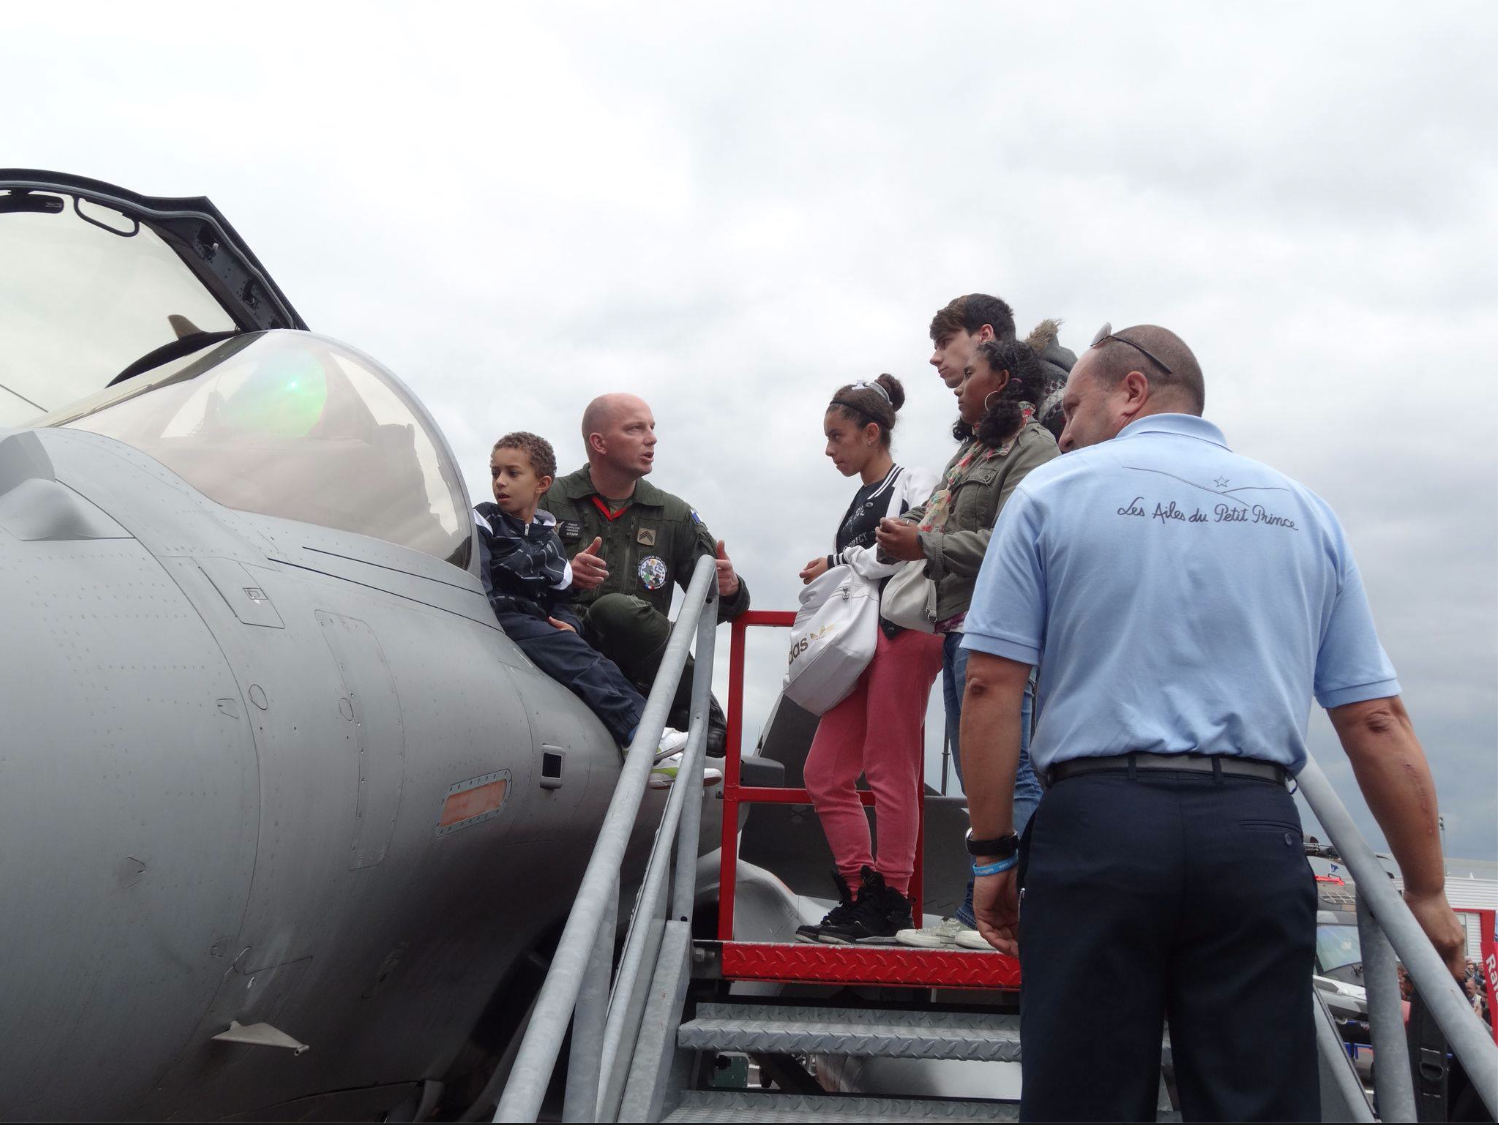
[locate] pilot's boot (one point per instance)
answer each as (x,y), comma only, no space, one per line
(718,729)
(718,726)
(840,915)
(879,913)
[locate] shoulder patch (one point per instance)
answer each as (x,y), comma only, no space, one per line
(695,517)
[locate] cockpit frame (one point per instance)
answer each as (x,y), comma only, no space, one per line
(196,231)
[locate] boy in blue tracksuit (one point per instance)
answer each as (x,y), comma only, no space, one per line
(527,577)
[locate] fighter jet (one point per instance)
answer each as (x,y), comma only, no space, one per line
(287,823)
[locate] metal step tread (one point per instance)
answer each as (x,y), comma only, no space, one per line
(883,1032)
(736,1105)
(883,965)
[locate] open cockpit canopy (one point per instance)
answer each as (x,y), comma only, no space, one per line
(148,320)
(97,283)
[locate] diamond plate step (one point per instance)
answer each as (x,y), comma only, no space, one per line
(890,966)
(733,1105)
(889,1033)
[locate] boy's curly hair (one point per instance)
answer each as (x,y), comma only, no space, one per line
(538,449)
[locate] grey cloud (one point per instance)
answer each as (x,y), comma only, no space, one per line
(733,214)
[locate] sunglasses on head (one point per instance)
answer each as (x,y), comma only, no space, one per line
(1106,333)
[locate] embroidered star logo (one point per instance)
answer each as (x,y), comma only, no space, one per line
(1222,483)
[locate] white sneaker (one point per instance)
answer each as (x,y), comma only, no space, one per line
(665,773)
(672,742)
(972,939)
(944,935)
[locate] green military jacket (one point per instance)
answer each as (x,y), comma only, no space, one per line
(653,544)
(955,553)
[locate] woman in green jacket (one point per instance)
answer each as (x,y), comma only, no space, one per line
(1002,442)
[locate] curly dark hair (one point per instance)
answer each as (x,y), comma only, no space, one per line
(1003,417)
(538,449)
(862,404)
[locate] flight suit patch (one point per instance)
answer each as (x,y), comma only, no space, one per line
(652,572)
(646,537)
(569,529)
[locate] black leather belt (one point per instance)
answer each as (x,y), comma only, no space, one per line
(1192,763)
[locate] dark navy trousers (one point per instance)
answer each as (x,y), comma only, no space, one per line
(1172,896)
(577,666)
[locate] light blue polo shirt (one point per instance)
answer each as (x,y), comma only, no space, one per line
(1177,597)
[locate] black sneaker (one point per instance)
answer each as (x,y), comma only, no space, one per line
(879,913)
(840,915)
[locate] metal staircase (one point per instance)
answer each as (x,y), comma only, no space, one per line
(866,1033)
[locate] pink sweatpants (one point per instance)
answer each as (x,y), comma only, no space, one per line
(876,731)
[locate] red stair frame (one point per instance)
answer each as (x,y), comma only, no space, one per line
(799,962)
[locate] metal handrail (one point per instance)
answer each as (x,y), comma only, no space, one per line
(576,988)
(1383,912)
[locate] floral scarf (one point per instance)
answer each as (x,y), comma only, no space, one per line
(939,506)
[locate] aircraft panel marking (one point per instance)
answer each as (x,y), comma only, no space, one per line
(473,801)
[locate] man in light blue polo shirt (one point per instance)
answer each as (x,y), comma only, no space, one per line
(1184,605)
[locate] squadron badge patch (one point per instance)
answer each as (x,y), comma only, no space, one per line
(652,572)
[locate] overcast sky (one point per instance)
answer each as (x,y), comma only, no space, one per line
(733,211)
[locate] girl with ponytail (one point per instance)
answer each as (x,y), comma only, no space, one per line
(876,729)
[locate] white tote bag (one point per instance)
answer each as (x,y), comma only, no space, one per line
(910,599)
(832,640)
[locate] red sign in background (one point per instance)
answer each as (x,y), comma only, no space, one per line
(1488,945)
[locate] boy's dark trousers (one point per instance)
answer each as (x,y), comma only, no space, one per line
(1169,894)
(583,670)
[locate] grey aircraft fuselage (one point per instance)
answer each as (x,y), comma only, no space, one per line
(254,770)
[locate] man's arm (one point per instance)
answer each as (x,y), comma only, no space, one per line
(699,543)
(1395,780)
(989,737)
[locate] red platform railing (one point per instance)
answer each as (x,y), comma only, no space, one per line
(883,965)
(735,794)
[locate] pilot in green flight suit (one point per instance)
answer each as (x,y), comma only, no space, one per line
(629,542)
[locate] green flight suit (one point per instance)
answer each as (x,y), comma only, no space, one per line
(651,545)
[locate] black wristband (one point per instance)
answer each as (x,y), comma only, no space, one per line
(1004,847)
(831,563)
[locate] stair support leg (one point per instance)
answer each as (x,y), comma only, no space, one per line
(654,1065)
(580,1101)
(1343,1097)
(1397,1095)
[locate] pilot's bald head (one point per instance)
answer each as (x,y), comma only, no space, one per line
(619,433)
(599,414)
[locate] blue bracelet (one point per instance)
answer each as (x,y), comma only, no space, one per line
(995,868)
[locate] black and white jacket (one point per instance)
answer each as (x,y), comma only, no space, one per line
(523,566)
(902,489)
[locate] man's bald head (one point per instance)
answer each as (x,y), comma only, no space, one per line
(1170,366)
(600,414)
(1116,382)
(619,433)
